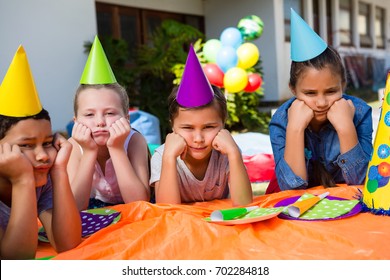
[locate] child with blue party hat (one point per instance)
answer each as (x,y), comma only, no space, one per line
(33,178)
(109,163)
(321,136)
(200,160)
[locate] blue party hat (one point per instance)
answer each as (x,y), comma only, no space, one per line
(195,89)
(305,43)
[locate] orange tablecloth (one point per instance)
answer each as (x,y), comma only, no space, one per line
(166,232)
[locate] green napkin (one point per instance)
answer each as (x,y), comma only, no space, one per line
(259,212)
(326,209)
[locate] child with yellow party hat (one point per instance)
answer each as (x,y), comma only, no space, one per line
(320,136)
(33,178)
(109,161)
(200,160)
(376,193)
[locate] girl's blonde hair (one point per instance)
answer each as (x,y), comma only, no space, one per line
(121,91)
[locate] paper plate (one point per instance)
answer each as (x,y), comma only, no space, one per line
(244,220)
(92,220)
(285,202)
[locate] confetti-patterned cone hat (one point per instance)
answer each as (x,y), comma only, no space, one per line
(376,193)
(97,69)
(18,95)
(195,89)
(305,43)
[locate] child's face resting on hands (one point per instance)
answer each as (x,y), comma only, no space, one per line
(198,127)
(35,140)
(319,89)
(98,109)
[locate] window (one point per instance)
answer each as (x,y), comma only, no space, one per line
(345,22)
(380,27)
(136,25)
(364,21)
(316,20)
(329,25)
(287,5)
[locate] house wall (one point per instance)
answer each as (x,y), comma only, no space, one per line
(193,7)
(355,49)
(53,34)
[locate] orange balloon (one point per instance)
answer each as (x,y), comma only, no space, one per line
(384,169)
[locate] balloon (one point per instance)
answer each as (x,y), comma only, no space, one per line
(211,49)
(373,172)
(372,185)
(235,80)
(254,82)
(251,27)
(384,169)
(227,58)
(231,36)
(248,55)
(214,74)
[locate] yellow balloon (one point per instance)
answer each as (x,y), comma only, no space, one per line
(248,55)
(235,80)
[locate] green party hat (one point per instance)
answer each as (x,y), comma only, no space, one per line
(97,70)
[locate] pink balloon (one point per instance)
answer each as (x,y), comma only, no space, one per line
(214,74)
(254,82)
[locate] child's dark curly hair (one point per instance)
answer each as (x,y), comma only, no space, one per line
(7,122)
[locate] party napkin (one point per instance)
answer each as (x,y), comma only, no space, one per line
(325,208)
(301,206)
(92,220)
(237,216)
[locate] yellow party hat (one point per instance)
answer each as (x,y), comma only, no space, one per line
(18,95)
(376,193)
(97,69)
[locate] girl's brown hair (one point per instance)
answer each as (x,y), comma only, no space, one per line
(329,58)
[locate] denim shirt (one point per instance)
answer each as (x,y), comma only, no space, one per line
(324,146)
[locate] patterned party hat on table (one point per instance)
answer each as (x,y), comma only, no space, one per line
(376,193)
(18,95)
(305,43)
(194,89)
(97,69)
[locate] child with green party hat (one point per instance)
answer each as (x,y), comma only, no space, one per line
(109,161)
(33,178)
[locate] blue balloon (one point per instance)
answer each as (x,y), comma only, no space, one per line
(227,58)
(231,36)
(383,182)
(373,172)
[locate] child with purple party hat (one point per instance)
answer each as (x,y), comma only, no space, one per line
(200,160)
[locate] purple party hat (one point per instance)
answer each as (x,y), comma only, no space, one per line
(305,43)
(195,89)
